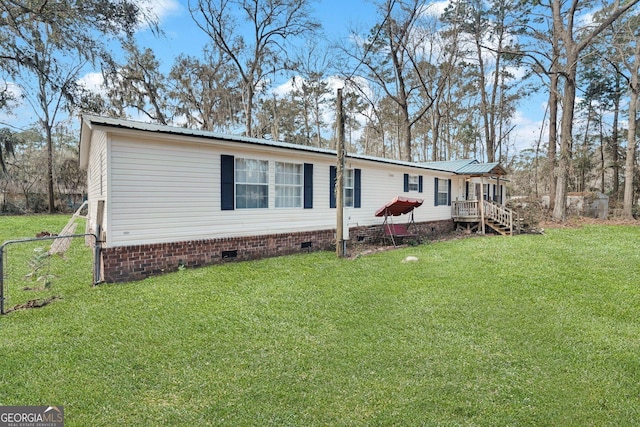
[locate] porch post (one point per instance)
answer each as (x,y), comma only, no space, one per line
(481,203)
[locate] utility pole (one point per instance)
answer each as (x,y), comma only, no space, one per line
(340,243)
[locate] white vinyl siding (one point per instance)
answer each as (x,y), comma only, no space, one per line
(97,178)
(167,189)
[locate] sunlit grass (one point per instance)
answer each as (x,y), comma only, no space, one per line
(529,330)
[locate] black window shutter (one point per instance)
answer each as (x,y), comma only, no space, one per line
(406,182)
(466,190)
(420,187)
(449,195)
(357,190)
(308,186)
(227,174)
(332,186)
(435,192)
(495,195)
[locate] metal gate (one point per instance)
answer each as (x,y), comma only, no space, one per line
(3,259)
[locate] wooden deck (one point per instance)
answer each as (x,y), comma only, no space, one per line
(471,214)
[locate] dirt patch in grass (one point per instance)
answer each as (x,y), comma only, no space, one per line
(34,303)
(361,249)
(577,222)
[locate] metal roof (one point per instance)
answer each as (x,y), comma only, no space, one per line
(88,121)
(482,169)
(468,167)
(451,165)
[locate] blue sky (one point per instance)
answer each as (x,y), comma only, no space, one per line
(182,36)
(336,17)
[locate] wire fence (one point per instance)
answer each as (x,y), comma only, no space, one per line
(32,275)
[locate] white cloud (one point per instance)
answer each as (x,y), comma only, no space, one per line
(93,82)
(283,89)
(13,89)
(526,132)
(436,9)
(165,8)
(586,20)
(158,9)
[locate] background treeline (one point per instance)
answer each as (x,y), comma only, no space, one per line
(425,83)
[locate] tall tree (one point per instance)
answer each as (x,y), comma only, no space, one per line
(138,83)
(572,43)
(45,44)
(492,28)
(206,92)
(604,88)
(256,51)
(628,52)
(312,63)
(405,56)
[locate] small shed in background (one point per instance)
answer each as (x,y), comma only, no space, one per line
(588,204)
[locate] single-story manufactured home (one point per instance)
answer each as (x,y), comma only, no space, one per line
(163,197)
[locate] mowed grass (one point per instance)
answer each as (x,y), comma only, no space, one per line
(530,330)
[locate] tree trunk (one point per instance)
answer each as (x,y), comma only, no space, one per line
(248,110)
(484,103)
(553,132)
(614,140)
(45,120)
(629,171)
(566,129)
(52,201)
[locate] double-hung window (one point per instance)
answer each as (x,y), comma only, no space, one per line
(289,185)
(252,183)
(414,182)
(351,188)
(442,192)
(348,188)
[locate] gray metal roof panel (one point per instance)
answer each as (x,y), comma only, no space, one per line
(150,127)
(451,165)
(477,168)
(88,119)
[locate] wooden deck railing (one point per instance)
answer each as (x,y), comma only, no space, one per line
(466,209)
(499,214)
(469,211)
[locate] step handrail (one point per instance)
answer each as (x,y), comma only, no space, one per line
(499,214)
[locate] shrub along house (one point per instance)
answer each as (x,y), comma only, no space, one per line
(163,197)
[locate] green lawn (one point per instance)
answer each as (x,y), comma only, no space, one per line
(537,330)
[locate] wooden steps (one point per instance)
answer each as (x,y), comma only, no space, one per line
(471,214)
(499,228)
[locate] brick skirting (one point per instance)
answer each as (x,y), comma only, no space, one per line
(128,263)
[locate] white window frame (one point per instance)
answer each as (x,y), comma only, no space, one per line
(349,188)
(289,185)
(414,183)
(443,191)
(251,183)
